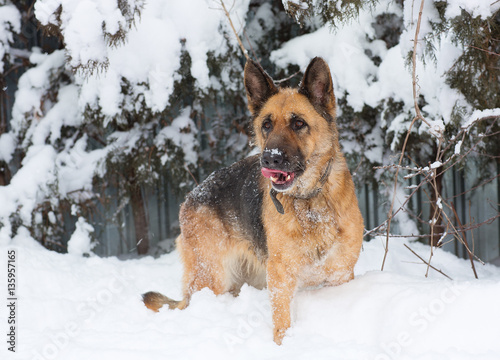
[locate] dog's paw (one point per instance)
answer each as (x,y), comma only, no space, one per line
(279,334)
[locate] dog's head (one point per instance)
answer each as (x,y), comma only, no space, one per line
(294,128)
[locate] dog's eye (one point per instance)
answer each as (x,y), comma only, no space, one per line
(298,124)
(267,125)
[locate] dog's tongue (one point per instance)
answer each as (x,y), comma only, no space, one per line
(272,172)
(277,176)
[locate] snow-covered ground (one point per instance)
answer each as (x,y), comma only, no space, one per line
(70,307)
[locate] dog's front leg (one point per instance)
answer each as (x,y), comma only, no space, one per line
(281,284)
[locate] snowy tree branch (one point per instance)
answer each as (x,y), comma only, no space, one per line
(243,50)
(441,225)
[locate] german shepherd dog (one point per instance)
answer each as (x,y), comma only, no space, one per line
(288,217)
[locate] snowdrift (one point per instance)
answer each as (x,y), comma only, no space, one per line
(71,307)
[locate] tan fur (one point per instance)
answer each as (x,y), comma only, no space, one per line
(222,260)
(315,242)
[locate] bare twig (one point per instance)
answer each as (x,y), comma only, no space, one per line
(248,40)
(462,156)
(464,237)
(390,215)
(454,232)
(417,117)
(486,51)
(287,78)
(190,173)
(234,30)
(427,263)
(474,188)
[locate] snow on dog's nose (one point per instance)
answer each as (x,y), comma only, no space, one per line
(273,167)
(272,158)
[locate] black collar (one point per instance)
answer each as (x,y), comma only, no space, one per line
(322,181)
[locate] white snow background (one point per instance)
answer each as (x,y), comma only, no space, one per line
(71,307)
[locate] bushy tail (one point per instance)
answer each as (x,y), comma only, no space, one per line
(154,301)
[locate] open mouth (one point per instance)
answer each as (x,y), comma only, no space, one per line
(281,180)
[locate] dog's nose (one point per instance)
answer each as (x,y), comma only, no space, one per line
(272,158)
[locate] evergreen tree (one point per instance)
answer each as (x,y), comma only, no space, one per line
(10,27)
(131,126)
(128,95)
(458,42)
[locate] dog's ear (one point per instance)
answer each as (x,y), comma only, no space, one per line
(317,85)
(260,87)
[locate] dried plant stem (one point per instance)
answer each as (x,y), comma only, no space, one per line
(190,173)
(454,232)
(417,117)
(427,263)
(464,238)
(390,215)
(287,78)
(414,65)
(234,30)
